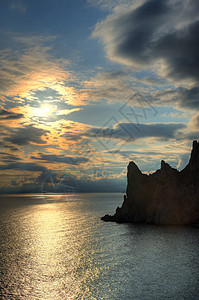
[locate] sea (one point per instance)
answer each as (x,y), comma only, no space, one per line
(55,246)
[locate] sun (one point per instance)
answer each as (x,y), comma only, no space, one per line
(44,111)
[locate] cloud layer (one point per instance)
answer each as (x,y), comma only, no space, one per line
(9,115)
(26,135)
(158,32)
(70,160)
(22,73)
(129,132)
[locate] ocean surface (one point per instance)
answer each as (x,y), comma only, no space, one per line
(56,247)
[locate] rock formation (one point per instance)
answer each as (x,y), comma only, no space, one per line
(164,197)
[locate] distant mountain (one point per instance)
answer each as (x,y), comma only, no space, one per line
(164,197)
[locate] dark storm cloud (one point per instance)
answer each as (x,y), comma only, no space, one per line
(182,97)
(8,115)
(26,135)
(157,30)
(52,158)
(136,35)
(180,50)
(189,98)
(124,131)
(23,167)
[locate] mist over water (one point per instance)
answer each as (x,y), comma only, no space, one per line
(56,247)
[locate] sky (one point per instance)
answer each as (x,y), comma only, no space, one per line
(88,85)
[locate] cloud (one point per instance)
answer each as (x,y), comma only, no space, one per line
(130,132)
(7,157)
(9,115)
(110,4)
(52,158)
(109,85)
(6,146)
(156,33)
(194,122)
(132,153)
(24,167)
(182,97)
(188,97)
(32,68)
(26,135)
(100,185)
(148,156)
(121,86)
(193,127)
(94,184)
(56,115)
(18,5)
(180,50)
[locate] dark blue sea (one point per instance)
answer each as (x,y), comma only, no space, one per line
(56,247)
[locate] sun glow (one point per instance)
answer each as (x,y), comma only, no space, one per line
(44,111)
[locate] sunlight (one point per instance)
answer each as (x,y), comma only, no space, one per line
(44,111)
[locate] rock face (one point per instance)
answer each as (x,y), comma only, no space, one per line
(164,197)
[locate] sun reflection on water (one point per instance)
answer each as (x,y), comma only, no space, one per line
(61,250)
(55,252)
(60,254)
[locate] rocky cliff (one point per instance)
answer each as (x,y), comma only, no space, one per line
(164,197)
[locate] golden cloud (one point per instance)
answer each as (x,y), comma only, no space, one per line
(22,74)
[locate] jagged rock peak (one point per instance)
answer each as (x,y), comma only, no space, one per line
(194,159)
(167,196)
(132,167)
(164,165)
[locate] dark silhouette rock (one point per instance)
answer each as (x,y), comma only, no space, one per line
(164,197)
(108,218)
